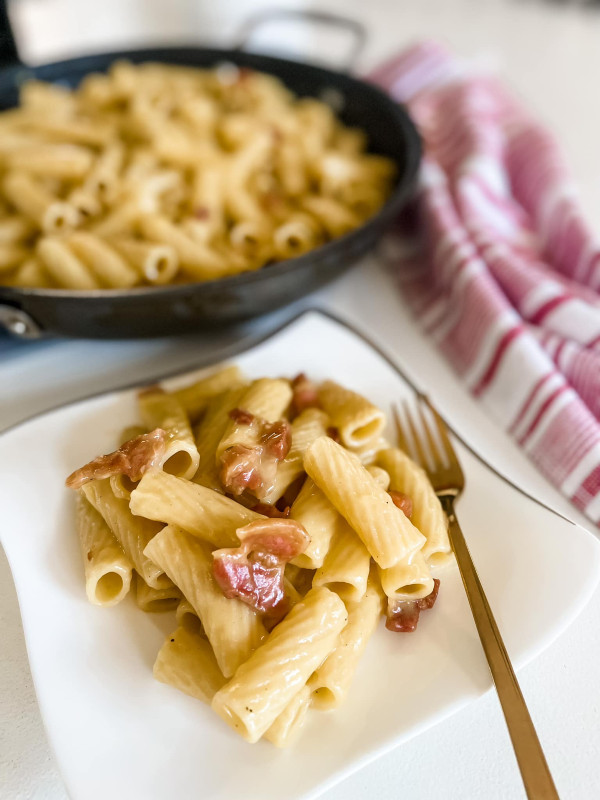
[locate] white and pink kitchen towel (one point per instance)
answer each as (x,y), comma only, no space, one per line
(506,276)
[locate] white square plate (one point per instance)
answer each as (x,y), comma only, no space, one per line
(118,733)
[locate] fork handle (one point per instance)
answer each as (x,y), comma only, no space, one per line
(528,750)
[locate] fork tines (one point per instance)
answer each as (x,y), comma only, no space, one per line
(423,435)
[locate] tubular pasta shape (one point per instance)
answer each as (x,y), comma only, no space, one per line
(132,533)
(187,618)
(186,661)
(288,725)
(86,204)
(408,580)
(166,598)
(11,255)
(161,410)
(313,510)
(210,432)
(369,451)
(157,263)
(385,531)
(307,427)
(107,265)
(71,130)
(331,681)
(346,566)
(335,218)
(265,684)
(65,268)
(233,628)
(14,229)
(357,420)
(428,515)
(221,171)
(32,274)
(65,161)
(202,512)
(380,475)
(196,397)
(121,484)
(267,398)
(107,568)
(208,201)
(34,201)
(197,260)
(102,182)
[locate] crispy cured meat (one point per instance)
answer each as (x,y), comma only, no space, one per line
(253,572)
(133,459)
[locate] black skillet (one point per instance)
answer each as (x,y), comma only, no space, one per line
(31,313)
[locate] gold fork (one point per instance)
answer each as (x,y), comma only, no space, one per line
(447,479)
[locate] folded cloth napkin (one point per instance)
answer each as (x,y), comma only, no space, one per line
(506,273)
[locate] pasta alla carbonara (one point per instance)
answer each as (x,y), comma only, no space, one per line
(155,174)
(278,524)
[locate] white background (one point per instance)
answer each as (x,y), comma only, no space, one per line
(550,53)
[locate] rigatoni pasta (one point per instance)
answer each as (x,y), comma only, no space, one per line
(409,579)
(346,566)
(107,569)
(46,211)
(283,665)
(202,512)
(105,263)
(161,410)
(31,274)
(132,533)
(278,550)
(358,421)
(179,174)
(308,426)
(319,517)
(14,229)
(187,618)
(331,682)
(152,600)
(233,629)
(157,263)
(288,725)
(386,532)
(65,268)
(196,397)
(187,662)
(210,432)
(408,477)
(265,398)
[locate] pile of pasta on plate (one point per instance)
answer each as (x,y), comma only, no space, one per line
(278,523)
(154,174)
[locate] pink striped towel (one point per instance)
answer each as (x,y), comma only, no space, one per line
(506,275)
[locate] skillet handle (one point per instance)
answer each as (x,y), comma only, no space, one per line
(353,26)
(9,55)
(18,323)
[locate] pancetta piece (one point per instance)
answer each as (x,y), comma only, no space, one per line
(133,459)
(251,465)
(305,394)
(402,501)
(253,572)
(403,615)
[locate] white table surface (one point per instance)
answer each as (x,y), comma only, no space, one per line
(551,53)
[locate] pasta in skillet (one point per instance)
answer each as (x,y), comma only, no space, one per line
(236,506)
(155,173)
